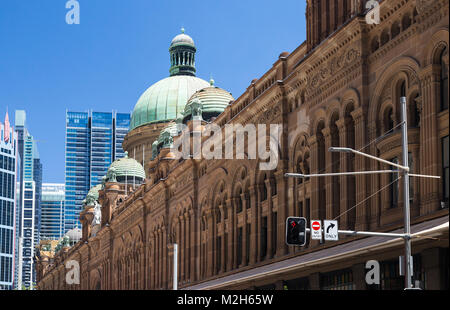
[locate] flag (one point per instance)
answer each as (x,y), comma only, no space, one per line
(7,128)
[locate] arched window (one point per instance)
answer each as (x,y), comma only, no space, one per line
(299,171)
(264,189)
(444,81)
(388,119)
(395,30)
(384,37)
(375,44)
(414,114)
(403,89)
(239,202)
(406,22)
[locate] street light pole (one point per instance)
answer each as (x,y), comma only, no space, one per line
(406,206)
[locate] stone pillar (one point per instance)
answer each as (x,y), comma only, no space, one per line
(269,218)
(210,241)
(187,247)
(182,250)
(374,182)
(343,179)
(164,256)
(230,228)
(430,141)
(254,231)
(194,245)
(244,199)
(222,242)
(329,169)
(360,165)
(315,185)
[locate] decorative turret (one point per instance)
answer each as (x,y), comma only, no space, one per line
(182,55)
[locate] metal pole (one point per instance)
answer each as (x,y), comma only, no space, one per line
(175,266)
(406,208)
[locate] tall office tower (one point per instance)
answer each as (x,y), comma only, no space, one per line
(8,182)
(37,177)
(122,125)
(52,211)
(29,202)
(93,142)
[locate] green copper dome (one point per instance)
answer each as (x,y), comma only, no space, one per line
(165,100)
(125,169)
(209,102)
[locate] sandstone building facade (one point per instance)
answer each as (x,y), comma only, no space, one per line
(341,87)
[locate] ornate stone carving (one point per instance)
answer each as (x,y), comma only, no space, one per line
(97,214)
(422,5)
(333,66)
(111,175)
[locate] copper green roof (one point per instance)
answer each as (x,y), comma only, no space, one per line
(213,101)
(165,100)
(126,167)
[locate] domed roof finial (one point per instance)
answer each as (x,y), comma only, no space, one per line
(126,154)
(211,81)
(183,30)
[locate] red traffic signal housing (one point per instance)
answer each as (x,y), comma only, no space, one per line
(296,231)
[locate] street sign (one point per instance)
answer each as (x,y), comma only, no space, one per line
(316,230)
(331,230)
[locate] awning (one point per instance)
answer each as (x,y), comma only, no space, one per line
(419,231)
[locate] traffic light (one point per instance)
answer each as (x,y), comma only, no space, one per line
(296,231)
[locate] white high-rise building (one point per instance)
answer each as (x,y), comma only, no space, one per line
(8,182)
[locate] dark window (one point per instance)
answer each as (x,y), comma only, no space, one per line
(274,232)
(388,120)
(445,169)
(247,244)
(263,237)
(239,247)
(444,82)
(393,187)
(219,253)
(264,191)
(239,204)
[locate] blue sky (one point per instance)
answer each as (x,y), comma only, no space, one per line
(120,49)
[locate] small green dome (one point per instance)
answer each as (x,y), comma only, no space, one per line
(92,195)
(125,168)
(182,39)
(214,101)
(165,100)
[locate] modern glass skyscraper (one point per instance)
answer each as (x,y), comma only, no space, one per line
(102,148)
(8,181)
(93,142)
(28,209)
(52,211)
(77,165)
